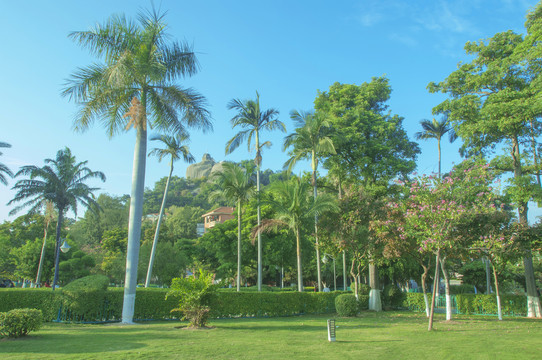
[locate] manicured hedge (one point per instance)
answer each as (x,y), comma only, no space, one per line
(43,299)
(487,304)
(415,301)
(19,322)
(151,304)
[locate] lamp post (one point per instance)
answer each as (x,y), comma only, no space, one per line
(64,248)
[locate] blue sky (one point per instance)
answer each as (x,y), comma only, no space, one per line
(285,50)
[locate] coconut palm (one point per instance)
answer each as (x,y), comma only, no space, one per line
(436,129)
(235,184)
(49,216)
(174,147)
(309,141)
(293,206)
(4,170)
(253,120)
(62,182)
(136,81)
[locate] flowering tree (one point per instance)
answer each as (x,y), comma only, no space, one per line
(439,212)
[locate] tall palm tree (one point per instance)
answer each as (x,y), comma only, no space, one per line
(309,141)
(62,182)
(253,120)
(436,129)
(49,216)
(174,147)
(235,184)
(4,170)
(293,205)
(137,80)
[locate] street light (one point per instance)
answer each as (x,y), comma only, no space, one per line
(64,248)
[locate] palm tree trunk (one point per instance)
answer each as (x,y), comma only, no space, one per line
(134,221)
(534,308)
(239,246)
(259,233)
(435,286)
(57,246)
(439,173)
(155,241)
(317,245)
(299,273)
(42,255)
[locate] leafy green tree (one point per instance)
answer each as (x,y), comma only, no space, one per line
(4,170)
(175,147)
(372,148)
(251,118)
(182,221)
(492,105)
(114,244)
(26,259)
(436,129)
(79,265)
(292,205)
(137,80)
(371,145)
(235,185)
(309,141)
(62,182)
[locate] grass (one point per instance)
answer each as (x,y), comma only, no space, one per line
(388,335)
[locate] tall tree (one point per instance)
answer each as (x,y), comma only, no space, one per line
(371,145)
(235,185)
(4,170)
(253,120)
(138,79)
(436,129)
(62,182)
(492,104)
(175,147)
(49,216)
(309,141)
(292,205)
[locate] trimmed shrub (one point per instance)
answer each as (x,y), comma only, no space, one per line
(43,299)
(19,322)
(415,301)
(85,297)
(347,305)
(364,289)
(487,304)
(392,296)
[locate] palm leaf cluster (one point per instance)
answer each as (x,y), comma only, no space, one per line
(4,170)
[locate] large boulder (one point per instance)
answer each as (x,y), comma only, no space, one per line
(201,169)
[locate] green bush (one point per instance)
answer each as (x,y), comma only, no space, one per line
(461,289)
(43,299)
(487,304)
(195,295)
(85,297)
(347,305)
(415,301)
(19,322)
(364,289)
(392,296)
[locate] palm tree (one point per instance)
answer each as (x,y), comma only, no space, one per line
(62,182)
(137,80)
(293,206)
(253,120)
(235,184)
(4,170)
(309,141)
(436,130)
(174,147)
(49,216)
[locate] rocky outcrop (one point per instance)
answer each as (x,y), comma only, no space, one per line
(201,169)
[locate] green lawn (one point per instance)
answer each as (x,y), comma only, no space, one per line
(389,335)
